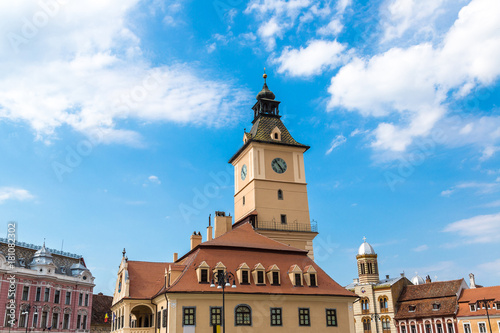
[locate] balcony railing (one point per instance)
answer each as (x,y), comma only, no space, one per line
(291,226)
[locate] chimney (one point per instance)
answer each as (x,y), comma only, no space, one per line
(176,256)
(209,229)
(472,281)
(387,277)
(195,239)
(428,279)
(222,223)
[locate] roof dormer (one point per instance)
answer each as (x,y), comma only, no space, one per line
(273,275)
(243,273)
(202,272)
(259,274)
(295,275)
(310,276)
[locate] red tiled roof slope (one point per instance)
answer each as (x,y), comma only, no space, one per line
(424,308)
(247,246)
(101,304)
(470,296)
(430,290)
(244,236)
(146,278)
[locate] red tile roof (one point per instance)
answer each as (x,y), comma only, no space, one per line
(424,296)
(431,290)
(244,236)
(243,244)
(101,304)
(470,296)
(146,278)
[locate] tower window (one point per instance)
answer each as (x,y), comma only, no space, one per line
(283,219)
(243,200)
(280,195)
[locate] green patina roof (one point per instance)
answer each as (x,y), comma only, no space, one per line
(261,132)
(263,127)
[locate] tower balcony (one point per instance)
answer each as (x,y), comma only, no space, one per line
(294,226)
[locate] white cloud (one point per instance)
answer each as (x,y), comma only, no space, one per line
(154,180)
(338,141)
(84,68)
(269,31)
(421,248)
(412,84)
(480,188)
(403,15)
(342,5)
(318,56)
(331,29)
(477,229)
(13,193)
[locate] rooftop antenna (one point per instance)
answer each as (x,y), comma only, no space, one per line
(62,245)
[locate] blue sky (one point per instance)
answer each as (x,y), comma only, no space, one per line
(118,118)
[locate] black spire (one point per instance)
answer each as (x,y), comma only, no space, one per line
(266,105)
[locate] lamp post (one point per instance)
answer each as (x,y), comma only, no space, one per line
(487,313)
(223,279)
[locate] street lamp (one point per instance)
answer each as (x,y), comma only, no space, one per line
(26,312)
(223,279)
(485,303)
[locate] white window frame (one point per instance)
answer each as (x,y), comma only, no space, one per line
(479,327)
(473,305)
(468,324)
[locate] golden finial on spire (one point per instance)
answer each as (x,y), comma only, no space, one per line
(265,75)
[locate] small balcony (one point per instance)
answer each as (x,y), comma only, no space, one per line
(294,226)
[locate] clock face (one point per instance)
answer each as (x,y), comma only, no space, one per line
(279,165)
(244,172)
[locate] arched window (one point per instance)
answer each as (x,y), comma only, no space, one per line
(280,195)
(384,304)
(365,305)
(367,328)
(386,324)
(243,316)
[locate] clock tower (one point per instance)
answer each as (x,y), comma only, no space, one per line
(269,178)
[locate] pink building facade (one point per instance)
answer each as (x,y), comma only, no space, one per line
(43,290)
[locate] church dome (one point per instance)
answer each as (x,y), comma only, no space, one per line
(365,248)
(417,279)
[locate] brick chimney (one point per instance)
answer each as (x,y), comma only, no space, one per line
(222,223)
(195,239)
(428,279)
(209,229)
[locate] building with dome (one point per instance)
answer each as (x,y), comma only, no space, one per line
(262,263)
(43,289)
(376,308)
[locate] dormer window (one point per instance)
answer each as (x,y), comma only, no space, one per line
(412,308)
(276,134)
(436,306)
(259,274)
(245,277)
(310,276)
(295,275)
(219,268)
(298,280)
(273,275)
(260,277)
(202,272)
(472,307)
(243,274)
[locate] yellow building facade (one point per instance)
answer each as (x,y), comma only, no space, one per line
(374,311)
(263,262)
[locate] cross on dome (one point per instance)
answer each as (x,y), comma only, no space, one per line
(364,239)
